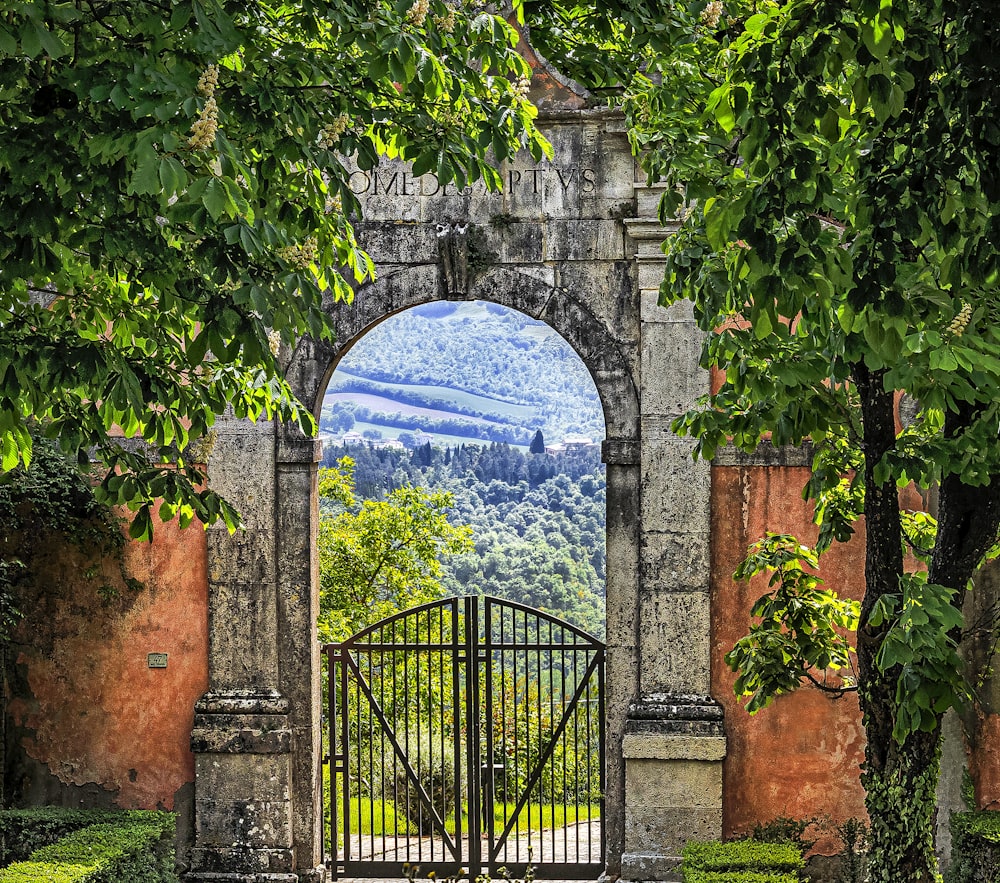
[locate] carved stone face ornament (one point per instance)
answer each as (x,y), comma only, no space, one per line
(453,258)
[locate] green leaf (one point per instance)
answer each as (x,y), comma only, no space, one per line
(216,199)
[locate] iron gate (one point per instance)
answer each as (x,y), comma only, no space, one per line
(467,733)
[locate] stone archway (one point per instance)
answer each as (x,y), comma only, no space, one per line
(573,242)
(606,358)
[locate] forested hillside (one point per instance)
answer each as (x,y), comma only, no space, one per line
(537,520)
(473,370)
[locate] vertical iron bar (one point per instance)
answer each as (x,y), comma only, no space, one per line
(489,809)
(381,741)
(602,741)
(421,763)
(345,775)
(503,718)
(552,763)
(398,816)
(369,656)
(331,795)
(472,678)
(456,709)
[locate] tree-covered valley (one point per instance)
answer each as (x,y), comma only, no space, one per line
(537,520)
(473,371)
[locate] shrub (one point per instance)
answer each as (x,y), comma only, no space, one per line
(738,877)
(742,855)
(134,848)
(435,771)
(975,847)
(785,830)
(22,831)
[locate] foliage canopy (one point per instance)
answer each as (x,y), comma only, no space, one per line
(176,172)
(379,557)
(832,168)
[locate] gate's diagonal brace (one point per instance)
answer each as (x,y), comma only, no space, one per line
(397,748)
(536,773)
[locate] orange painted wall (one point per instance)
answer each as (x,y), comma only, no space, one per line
(89,715)
(801,756)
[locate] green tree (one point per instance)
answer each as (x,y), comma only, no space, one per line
(835,168)
(174,205)
(537,445)
(379,557)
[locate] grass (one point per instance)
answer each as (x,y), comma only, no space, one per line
(377,817)
(444,394)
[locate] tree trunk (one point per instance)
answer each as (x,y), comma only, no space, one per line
(899,780)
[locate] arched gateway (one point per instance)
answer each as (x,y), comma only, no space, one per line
(574,242)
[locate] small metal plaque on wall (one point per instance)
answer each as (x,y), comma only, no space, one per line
(157,660)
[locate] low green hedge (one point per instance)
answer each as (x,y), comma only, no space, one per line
(742,855)
(975,847)
(22,831)
(134,847)
(738,877)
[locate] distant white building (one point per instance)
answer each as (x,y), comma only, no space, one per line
(353,438)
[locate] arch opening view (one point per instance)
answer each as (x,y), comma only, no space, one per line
(494,409)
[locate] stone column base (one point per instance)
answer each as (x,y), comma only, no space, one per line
(317,875)
(243,831)
(673,747)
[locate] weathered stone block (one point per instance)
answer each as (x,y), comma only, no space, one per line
(608,290)
(242,616)
(236,777)
(510,242)
(672,379)
(642,866)
(402,242)
(504,285)
(690,783)
(239,736)
(664,746)
(652,312)
(675,642)
(574,240)
(238,864)
(243,449)
(244,825)
(663,830)
(675,561)
(675,488)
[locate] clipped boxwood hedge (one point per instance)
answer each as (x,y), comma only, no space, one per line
(738,877)
(742,855)
(132,847)
(975,847)
(22,831)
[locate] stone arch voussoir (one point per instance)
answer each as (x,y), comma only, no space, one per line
(313,362)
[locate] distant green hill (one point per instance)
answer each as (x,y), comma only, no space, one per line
(473,370)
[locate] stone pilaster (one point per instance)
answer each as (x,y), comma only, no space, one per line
(673,743)
(299,662)
(243,736)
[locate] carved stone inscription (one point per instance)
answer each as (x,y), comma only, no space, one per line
(525,182)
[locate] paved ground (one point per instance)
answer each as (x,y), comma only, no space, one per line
(579,843)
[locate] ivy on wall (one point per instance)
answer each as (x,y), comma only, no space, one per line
(53,501)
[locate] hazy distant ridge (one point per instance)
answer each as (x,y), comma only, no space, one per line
(475,360)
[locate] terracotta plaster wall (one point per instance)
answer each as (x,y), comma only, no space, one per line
(801,756)
(88,721)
